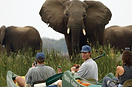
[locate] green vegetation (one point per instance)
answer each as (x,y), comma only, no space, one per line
(21,63)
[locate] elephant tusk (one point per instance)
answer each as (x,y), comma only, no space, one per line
(68,30)
(84,32)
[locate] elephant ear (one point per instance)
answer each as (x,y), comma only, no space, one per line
(52,14)
(97,13)
(2,34)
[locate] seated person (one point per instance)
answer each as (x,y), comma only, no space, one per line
(88,69)
(38,72)
(123,73)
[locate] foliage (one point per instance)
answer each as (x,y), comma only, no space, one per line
(20,63)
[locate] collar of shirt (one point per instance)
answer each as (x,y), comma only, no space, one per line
(40,65)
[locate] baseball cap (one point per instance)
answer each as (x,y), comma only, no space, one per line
(85,48)
(40,55)
(58,66)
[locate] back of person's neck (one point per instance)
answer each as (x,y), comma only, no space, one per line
(40,63)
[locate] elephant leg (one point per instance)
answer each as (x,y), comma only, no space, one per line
(97,38)
(8,49)
(1,48)
(101,37)
(69,44)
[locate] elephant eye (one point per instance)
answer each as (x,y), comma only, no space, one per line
(66,14)
(84,15)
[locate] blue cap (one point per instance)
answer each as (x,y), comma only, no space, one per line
(40,55)
(86,48)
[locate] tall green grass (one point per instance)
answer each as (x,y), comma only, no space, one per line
(20,63)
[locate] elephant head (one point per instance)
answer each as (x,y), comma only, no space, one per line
(2,34)
(80,21)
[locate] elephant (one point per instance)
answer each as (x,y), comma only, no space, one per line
(119,37)
(81,22)
(2,49)
(19,38)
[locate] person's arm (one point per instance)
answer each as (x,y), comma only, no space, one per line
(28,77)
(75,68)
(119,71)
(83,70)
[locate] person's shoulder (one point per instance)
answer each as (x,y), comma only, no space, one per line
(49,67)
(87,63)
(119,68)
(90,61)
(31,69)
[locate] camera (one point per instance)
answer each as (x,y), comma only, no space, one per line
(35,63)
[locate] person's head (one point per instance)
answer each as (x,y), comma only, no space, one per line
(40,57)
(59,69)
(127,58)
(86,52)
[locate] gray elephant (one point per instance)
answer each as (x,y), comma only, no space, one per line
(2,49)
(80,21)
(19,38)
(119,37)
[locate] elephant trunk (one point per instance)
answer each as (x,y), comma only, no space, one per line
(75,40)
(74,47)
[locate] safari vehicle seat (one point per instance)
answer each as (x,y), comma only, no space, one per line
(127,83)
